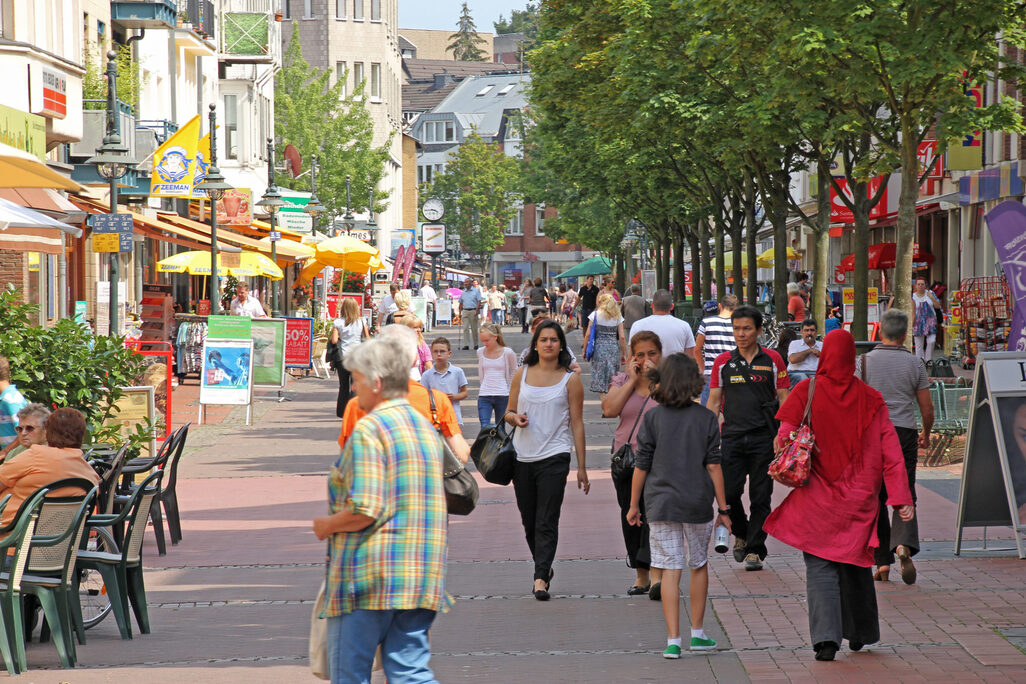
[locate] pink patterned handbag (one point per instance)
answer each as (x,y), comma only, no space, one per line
(793,465)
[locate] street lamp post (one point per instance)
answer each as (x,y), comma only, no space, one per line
(112,162)
(315,209)
(215,186)
(272,202)
(372,228)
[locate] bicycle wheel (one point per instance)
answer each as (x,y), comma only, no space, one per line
(92,592)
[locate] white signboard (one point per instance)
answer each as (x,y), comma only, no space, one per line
(103,307)
(434,237)
(227,376)
(648,283)
(296,221)
(443,311)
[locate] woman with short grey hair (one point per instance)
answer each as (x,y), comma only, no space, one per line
(387,530)
(31,430)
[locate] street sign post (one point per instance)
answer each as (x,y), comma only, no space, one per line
(112,232)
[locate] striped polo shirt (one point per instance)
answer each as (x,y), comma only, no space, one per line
(719,338)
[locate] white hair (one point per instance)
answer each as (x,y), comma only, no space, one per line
(405,336)
(384,358)
(792,288)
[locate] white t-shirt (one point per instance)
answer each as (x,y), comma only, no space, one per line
(251,308)
(387,306)
(428,293)
(674,334)
(809,363)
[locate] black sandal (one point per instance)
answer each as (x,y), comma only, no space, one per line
(635,590)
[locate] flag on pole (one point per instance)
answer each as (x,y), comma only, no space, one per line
(173,162)
(202,164)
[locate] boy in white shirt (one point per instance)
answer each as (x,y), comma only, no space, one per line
(445,377)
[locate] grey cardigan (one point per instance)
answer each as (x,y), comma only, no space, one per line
(674,447)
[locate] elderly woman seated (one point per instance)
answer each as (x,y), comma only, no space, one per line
(40,464)
(31,422)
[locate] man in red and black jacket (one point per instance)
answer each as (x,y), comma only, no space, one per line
(747,385)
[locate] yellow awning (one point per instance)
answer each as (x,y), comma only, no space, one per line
(20,169)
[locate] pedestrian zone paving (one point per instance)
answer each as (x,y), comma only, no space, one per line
(232,602)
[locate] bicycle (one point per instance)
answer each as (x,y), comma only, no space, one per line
(92,592)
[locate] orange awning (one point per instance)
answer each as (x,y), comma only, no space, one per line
(228,235)
(154,228)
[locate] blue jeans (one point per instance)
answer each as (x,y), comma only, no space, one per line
(486,406)
(798,376)
(705,391)
(402,635)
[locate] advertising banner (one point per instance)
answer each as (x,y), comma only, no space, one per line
(174,162)
(298,342)
(268,352)
(135,408)
(235,208)
(202,164)
(1007,223)
(227,376)
(230,327)
(839,211)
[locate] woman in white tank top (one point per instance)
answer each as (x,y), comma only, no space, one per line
(548,401)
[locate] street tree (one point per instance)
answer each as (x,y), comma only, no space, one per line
(316,117)
(465,44)
(481,189)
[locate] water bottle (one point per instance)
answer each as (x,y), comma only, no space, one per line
(722,539)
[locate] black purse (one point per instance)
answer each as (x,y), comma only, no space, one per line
(494,455)
(621,465)
(461,490)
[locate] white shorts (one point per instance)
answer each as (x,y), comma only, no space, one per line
(667,540)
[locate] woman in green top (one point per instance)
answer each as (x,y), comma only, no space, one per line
(30,428)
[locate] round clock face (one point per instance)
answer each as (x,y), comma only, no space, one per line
(433,209)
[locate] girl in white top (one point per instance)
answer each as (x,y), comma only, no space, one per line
(348,331)
(496,364)
(548,418)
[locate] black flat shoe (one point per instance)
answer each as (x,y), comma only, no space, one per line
(855,645)
(638,591)
(541,595)
(825,650)
(655,592)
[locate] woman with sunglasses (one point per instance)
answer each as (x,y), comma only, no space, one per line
(30,430)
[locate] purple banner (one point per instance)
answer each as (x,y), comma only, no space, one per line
(1007,223)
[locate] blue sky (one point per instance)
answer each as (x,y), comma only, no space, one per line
(443,14)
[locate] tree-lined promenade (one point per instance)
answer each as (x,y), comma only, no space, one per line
(694,115)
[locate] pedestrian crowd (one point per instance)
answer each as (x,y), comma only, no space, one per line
(700,419)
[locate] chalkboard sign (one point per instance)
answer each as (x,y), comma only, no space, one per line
(993,489)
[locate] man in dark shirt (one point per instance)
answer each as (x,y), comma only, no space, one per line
(588,294)
(747,385)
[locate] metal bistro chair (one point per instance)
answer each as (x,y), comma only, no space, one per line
(19,536)
(122,572)
(51,562)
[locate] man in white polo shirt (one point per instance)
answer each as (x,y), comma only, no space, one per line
(674,334)
(803,354)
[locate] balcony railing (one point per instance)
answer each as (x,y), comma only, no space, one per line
(144,14)
(201,15)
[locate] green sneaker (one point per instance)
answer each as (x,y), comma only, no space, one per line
(672,652)
(698,644)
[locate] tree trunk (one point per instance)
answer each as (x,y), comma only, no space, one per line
(751,242)
(706,265)
(860,278)
(821,247)
(620,272)
(737,249)
(721,253)
(678,266)
(906,232)
(667,249)
(659,263)
(696,271)
(779,219)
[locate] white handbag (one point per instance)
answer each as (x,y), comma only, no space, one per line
(319,639)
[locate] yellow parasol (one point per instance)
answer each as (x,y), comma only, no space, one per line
(20,169)
(342,252)
(228,263)
(765,259)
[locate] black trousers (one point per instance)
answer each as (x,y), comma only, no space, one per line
(891,530)
(539,488)
(345,393)
(635,538)
(747,457)
(842,602)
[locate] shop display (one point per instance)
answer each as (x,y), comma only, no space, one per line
(986,316)
(192,333)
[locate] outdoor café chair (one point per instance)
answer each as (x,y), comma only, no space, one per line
(109,481)
(51,563)
(19,536)
(171,449)
(168,494)
(122,572)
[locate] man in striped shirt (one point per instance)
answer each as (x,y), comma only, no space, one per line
(715,336)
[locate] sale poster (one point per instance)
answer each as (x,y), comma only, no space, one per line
(299,343)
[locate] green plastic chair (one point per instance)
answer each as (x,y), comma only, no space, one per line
(122,572)
(51,562)
(19,537)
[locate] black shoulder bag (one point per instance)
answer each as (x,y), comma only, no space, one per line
(461,490)
(621,465)
(768,405)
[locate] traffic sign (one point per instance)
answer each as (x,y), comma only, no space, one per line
(275,235)
(119,225)
(433,235)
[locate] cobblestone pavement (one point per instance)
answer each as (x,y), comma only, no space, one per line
(232,602)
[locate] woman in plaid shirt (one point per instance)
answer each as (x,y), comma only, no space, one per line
(387,528)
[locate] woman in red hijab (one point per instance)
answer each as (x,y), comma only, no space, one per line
(833,518)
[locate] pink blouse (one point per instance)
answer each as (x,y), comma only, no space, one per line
(423,357)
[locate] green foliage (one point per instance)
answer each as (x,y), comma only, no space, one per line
(520,21)
(228,293)
(313,115)
(465,44)
(94,82)
(480,188)
(65,365)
